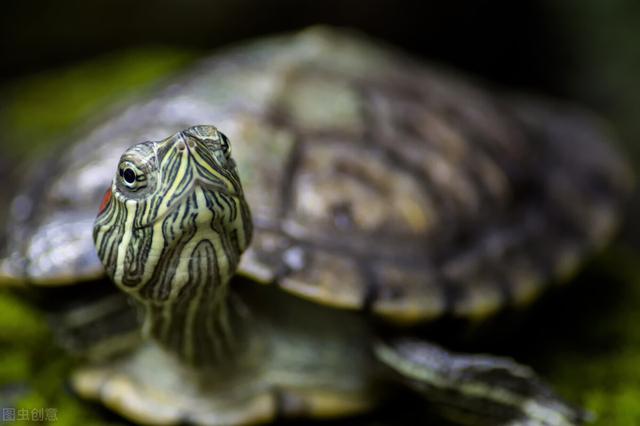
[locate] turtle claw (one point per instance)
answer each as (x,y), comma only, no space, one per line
(478,389)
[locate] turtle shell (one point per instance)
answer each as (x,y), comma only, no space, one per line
(375,181)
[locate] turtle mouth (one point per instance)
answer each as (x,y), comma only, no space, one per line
(210,186)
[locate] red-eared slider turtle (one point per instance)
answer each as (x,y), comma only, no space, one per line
(376,193)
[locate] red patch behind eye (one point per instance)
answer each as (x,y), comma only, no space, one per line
(105,201)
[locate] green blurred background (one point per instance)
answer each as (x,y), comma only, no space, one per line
(61,61)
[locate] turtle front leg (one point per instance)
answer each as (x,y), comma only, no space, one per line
(477,389)
(150,386)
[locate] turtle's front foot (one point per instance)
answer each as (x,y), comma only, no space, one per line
(478,389)
(150,387)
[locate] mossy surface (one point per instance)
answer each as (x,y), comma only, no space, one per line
(33,371)
(39,109)
(601,367)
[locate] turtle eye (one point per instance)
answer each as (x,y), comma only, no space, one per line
(131,177)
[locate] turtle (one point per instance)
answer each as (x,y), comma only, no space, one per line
(281,219)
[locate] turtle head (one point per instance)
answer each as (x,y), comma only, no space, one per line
(174,218)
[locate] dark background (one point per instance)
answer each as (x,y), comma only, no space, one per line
(523,43)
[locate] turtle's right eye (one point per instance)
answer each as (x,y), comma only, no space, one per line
(131,177)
